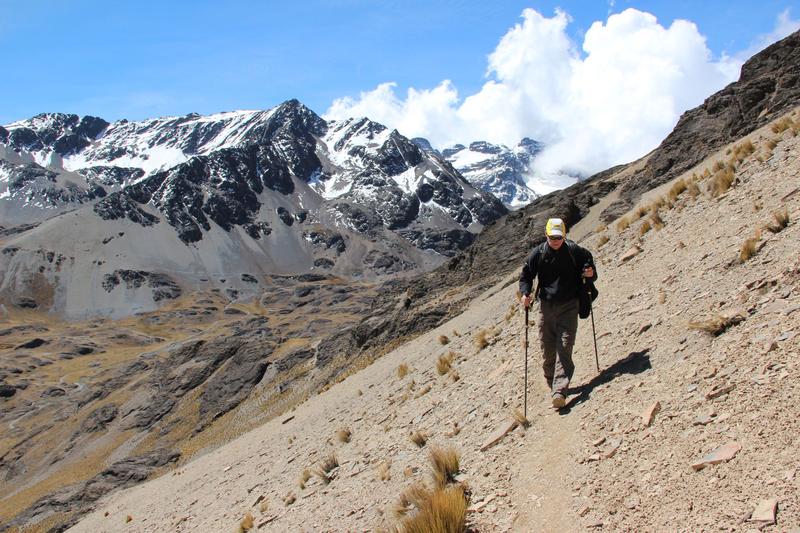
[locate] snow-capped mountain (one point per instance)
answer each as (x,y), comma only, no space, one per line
(494,168)
(277,191)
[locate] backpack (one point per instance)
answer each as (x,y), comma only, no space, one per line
(587,292)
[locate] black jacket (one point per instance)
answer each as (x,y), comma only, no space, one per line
(558,273)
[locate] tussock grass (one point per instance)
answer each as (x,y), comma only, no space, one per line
(305,475)
(324,468)
(741,151)
(444,339)
(264,507)
(639,212)
(623,224)
(602,240)
(444,466)
(656,221)
(419,438)
(521,419)
(716,324)
(780,219)
(343,435)
(677,189)
(693,190)
(782,125)
(601,228)
(444,363)
(662,296)
(481,339)
(718,166)
(748,249)
(721,182)
(423,391)
(644,228)
(247,523)
(402,371)
(384,470)
(441,510)
(512,310)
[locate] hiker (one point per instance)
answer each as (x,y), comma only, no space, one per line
(559,264)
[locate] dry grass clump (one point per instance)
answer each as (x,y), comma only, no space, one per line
(402,371)
(677,188)
(483,338)
(782,125)
(623,224)
(304,477)
(780,221)
(718,165)
(384,470)
(716,324)
(444,339)
(263,507)
(247,523)
(602,240)
(662,296)
(521,419)
(441,510)
(444,466)
(656,221)
(639,212)
(748,249)
(693,189)
(741,151)
(444,363)
(601,228)
(721,181)
(343,435)
(419,438)
(512,311)
(644,228)
(423,391)
(324,468)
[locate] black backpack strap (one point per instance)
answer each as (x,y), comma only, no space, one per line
(542,251)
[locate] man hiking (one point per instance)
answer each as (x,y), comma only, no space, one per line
(559,264)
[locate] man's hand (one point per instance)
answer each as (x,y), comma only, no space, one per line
(526,301)
(588,272)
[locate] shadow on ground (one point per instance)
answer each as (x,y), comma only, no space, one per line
(634,363)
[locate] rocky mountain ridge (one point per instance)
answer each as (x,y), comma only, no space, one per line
(277,189)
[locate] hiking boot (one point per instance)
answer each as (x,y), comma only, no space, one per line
(559,401)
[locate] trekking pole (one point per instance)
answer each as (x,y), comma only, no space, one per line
(594,335)
(525,408)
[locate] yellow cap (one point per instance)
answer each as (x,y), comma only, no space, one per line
(555,226)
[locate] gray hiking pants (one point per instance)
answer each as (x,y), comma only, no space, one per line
(558,322)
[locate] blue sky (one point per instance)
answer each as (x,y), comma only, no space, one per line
(142,59)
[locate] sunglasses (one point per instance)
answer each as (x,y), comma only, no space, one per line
(555,237)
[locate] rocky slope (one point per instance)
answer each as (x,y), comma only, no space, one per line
(629,452)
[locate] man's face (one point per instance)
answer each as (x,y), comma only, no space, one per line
(555,242)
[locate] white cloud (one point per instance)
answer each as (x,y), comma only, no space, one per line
(611,104)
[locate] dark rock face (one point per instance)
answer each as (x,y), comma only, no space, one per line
(385,263)
(446,242)
(285,216)
(118,205)
(65,134)
(25,302)
(77,499)
(162,285)
(110,176)
(769,86)
(227,369)
(33,343)
(7,391)
(330,240)
(99,418)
